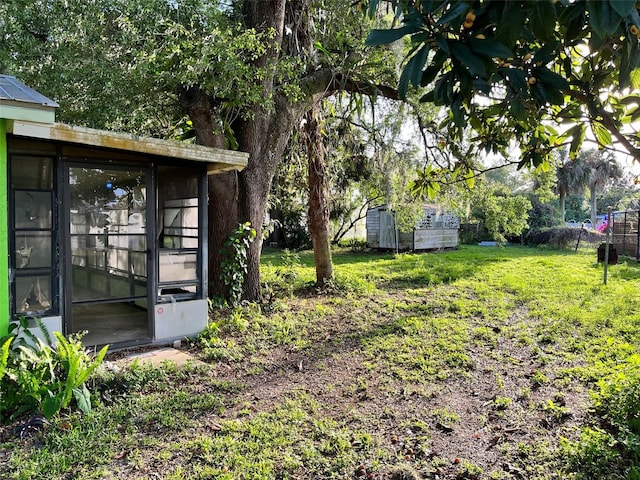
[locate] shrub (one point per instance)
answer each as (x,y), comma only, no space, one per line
(36,377)
(563,237)
(612,449)
(355,244)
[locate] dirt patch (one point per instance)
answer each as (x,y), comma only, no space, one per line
(481,420)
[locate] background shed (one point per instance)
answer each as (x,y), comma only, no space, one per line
(436,229)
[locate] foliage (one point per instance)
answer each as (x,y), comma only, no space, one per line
(602,169)
(620,195)
(617,440)
(355,244)
(542,215)
(563,237)
(502,214)
(5,348)
(41,378)
(369,160)
(236,73)
(287,271)
(234,260)
(131,60)
(544,63)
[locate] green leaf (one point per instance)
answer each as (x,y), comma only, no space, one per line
(464,54)
(4,355)
(373,6)
(83,398)
(634,77)
(470,179)
(544,167)
(515,77)
(623,7)
(428,97)
(488,47)
(412,72)
(634,115)
(482,86)
(604,19)
(383,37)
(321,48)
(442,43)
(510,24)
(602,134)
(442,91)
(51,405)
(458,112)
(432,70)
(543,20)
(574,18)
(517,110)
(576,142)
(546,54)
(454,13)
(550,78)
(625,60)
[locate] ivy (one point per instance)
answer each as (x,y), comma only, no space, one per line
(234,260)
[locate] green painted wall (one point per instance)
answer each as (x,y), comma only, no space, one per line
(4,233)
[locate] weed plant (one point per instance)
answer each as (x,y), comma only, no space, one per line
(40,377)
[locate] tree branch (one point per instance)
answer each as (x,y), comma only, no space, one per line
(608,122)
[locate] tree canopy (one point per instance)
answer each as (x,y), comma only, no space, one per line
(240,74)
(537,73)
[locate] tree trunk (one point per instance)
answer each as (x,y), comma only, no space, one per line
(318,213)
(263,135)
(223,220)
(562,202)
(222,187)
(265,138)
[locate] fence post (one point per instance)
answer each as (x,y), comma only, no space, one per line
(606,246)
(638,238)
(624,234)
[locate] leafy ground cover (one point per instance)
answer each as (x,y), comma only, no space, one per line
(480,363)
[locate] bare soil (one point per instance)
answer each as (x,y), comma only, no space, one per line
(481,432)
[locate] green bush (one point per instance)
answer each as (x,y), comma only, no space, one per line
(563,237)
(355,244)
(618,400)
(611,450)
(37,377)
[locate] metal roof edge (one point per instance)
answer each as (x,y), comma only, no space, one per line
(12,89)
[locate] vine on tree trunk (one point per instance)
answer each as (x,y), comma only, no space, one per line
(234,260)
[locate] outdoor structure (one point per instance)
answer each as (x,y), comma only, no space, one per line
(625,234)
(103,232)
(437,229)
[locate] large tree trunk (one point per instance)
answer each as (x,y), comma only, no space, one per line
(563,208)
(318,213)
(222,187)
(223,220)
(265,138)
(263,134)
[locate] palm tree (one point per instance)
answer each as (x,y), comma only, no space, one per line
(602,168)
(571,177)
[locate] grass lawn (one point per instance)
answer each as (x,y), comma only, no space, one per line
(479,363)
